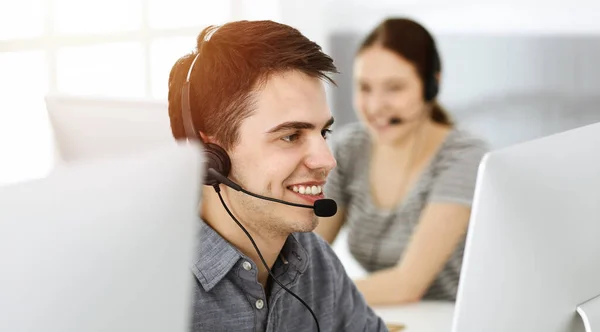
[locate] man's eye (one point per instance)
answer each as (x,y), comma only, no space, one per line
(291,138)
(325,133)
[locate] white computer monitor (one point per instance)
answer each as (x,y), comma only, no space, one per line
(102,245)
(90,127)
(533,248)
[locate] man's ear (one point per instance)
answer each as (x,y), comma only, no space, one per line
(437,77)
(208,139)
(205,139)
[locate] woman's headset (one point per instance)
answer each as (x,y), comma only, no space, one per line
(431,84)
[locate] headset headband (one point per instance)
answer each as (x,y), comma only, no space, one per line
(186,108)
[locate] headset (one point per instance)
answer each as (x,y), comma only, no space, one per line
(218,167)
(431,82)
(216,157)
(431,85)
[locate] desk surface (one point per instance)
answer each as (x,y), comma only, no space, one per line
(426,316)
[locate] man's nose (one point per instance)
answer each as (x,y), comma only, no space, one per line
(320,156)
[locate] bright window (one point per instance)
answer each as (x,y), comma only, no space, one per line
(185,13)
(112,69)
(21,19)
(17,70)
(110,48)
(24,146)
(163,54)
(82,17)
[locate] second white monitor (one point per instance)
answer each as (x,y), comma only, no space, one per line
(533,249)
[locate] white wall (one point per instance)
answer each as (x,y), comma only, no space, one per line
(514,56)
(498,17)
(318,18)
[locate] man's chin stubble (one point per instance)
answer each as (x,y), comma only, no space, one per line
(304,228)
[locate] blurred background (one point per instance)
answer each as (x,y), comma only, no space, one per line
(512,70)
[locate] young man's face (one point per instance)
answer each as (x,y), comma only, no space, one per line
(282,153)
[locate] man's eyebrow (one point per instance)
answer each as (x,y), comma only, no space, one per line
(297,125)
(329,123)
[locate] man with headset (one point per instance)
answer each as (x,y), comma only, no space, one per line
(253,93)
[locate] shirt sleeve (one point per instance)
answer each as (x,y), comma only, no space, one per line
(457,173)
(352,312)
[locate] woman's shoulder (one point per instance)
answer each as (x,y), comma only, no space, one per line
(462,148)
(455,170)
(460,140)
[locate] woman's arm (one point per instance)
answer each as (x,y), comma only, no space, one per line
(441,228)
(329,228)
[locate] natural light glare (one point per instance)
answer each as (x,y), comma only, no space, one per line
(188,13)
(25,146)
(22,19)
(79,16)
(163,54)
(110,48)
(114,69)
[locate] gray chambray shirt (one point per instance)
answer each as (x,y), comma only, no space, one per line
(228,296)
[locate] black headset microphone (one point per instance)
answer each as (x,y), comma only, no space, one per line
(218,166)
(395,121)
(322,207)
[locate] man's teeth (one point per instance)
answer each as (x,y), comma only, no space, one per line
(308,190)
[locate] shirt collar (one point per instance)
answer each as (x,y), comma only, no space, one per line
(216,256)
(295,254)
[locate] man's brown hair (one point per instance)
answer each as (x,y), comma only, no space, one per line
(234,61)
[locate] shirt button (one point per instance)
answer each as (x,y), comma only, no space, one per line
(259,304)
(247,266)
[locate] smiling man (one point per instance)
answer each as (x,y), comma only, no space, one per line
(256,89)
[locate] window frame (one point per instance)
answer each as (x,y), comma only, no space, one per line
(51,41)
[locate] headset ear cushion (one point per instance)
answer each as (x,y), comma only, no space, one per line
(217,159)
(431,89)
(432,85)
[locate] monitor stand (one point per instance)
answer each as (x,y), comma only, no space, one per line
(590,314)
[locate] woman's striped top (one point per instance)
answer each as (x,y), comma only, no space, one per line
(377,238)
